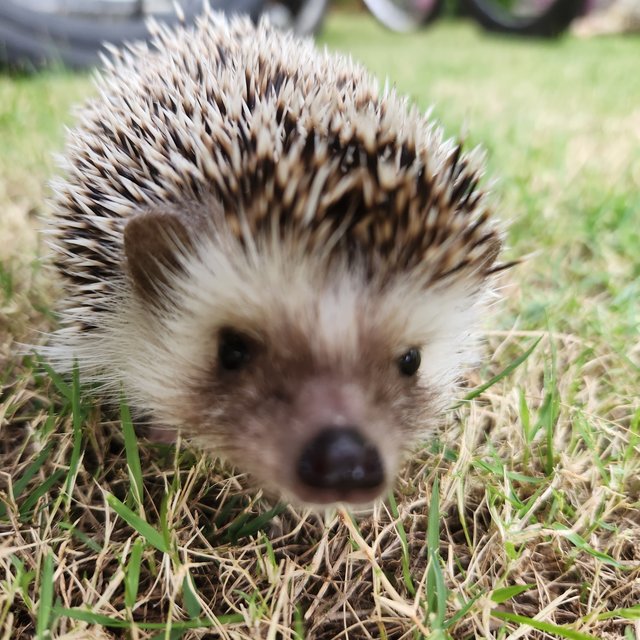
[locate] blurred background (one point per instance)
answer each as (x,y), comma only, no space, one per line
(71,32)
(535,82)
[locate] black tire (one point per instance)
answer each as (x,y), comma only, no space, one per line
(398,19)
(31,39)
(551,22)
(304,17)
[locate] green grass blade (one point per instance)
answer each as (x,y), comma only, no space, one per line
(174,634)
(82,536)
(433,525)
(247,526)
(78,418)
(7,283)
(151,535)
(164,520)
(525,415)
(628,613)
(45,600)
(236,525)
(549,418)
(133,456)
(271,554)
(540,625)
(402,534)
(579,542)
(510,368)
(437,592)
(39,491)
(462,612)
(23,580)
(86,615)
(298,623)
(191,602)
(21,484)
(506,593)
(133,574)
(58,381)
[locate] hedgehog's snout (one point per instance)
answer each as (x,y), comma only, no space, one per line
(341,461)
(332,443)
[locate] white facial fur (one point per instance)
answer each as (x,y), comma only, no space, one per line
(329,341)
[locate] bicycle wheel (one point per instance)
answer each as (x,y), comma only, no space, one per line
(31,38)
(405,15)
(305,17)
(538,18)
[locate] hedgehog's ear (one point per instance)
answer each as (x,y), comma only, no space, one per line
(153,244)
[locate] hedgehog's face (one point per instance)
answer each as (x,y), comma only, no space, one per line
(309,377)
(317,410)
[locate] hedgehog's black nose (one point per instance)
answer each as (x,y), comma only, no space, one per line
(340,459)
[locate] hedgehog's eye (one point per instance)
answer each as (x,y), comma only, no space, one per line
(409,362)
(234,350)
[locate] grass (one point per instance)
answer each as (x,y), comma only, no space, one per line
(520,521)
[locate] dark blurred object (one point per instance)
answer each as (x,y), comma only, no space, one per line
(622,16)
(37,33)
(538,18)
(305,17)
(405,15)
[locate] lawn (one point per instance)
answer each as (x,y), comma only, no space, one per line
(520,521)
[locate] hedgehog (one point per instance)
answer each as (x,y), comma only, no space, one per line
(270,254)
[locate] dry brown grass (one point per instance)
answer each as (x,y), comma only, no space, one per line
(571,535)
